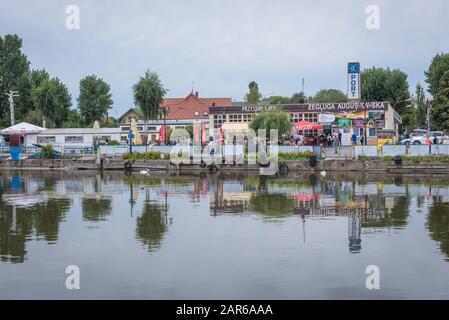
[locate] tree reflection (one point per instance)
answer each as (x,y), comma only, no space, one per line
(152,225)
(272,205)
(96,209)
(438,224)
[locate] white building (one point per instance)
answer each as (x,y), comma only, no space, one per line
(79,137)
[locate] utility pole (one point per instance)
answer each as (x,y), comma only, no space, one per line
(11,96)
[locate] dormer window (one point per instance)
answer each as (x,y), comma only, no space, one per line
(196,113)
(205,113)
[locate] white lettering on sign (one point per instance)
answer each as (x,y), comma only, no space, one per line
(347,106)
(354,81)
(256,108)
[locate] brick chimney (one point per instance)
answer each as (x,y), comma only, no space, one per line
(196,94)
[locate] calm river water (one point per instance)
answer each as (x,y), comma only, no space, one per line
(223,236)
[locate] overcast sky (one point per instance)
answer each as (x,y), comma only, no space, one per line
(222,45)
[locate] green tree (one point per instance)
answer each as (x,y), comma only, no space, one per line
(149,93)
(14,75)
(329,95)
(272,119)
(298,97)
(380,84)
(253,96)
(74,120)
(37,77)
(94,99)
(53,99)
(438,66)
(440,107)
(277,100)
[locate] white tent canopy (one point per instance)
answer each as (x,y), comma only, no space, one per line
(22,129)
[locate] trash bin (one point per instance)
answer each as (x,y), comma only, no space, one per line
(15,153)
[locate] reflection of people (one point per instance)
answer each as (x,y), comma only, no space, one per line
(428,140)
(435,140)
(339,137)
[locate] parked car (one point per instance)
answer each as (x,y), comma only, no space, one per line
(418,136)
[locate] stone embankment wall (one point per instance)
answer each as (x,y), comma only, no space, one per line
(321,165)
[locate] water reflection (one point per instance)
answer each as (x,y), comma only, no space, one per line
(365,204)
(33,206)
(24,215)
(152,224)
(96,209)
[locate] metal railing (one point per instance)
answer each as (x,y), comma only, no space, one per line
(340,152)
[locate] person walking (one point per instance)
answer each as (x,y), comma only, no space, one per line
(428,141)
(435,139)
(339,137)
(336,142)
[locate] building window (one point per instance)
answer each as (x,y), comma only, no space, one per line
(205,113)
(296,117)
(46,139)
(196,113)
(74,139)
(152,128)
(235,118)
(218,120)
(247,117)
(125,128)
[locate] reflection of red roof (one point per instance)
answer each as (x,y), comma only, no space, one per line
(185,108)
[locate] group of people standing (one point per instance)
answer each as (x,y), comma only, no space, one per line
(331,138)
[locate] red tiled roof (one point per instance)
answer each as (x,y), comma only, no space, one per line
(185,108)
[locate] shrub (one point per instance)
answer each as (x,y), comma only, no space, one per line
(297,155)
(148,155)
(47,152)
(363,158)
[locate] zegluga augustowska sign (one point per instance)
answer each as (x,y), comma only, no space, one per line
(306,107)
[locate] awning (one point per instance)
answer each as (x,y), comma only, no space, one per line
(22,129)
(306,125)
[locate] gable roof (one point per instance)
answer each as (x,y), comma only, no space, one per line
(136,110)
